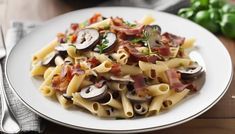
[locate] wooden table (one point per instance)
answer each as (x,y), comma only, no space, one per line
(218,120)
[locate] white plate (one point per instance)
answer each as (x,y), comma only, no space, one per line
(216,58)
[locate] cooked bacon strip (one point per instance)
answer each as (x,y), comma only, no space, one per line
(93,61)
(77,70)
(116,69)
(139,85)
(100,83)
(174,80)
(95,18)
(164,51)
(172,40)
(118,21)
(59,83)
(118,25)
(136,55)
(74,26)
(67,72)
(129,31)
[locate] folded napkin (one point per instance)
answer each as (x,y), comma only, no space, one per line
(29,121)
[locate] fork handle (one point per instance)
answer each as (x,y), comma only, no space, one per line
(9,123)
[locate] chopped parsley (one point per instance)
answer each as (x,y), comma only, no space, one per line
(129,24)
(103,44)
(144,40)
(84,24)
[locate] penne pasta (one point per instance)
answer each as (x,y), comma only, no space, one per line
(130,70)
(101,24)
(103,67)
(47,91)
(48,72)
(74,84)
(63,101)
(48,80)
(72,52)
(158,89)
(112,102)
(176,62)
(188,43)
(146,20)
(45,50)
(38,70)
(127,107)
(174,98)
(156,104)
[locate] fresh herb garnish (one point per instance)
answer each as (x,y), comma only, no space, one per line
(84,24)
(129,24)
(144,40)
(146,43)
(136,40)
(103,44)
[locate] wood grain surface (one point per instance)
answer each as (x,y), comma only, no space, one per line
(220,119)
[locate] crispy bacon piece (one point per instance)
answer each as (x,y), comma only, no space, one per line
(77,70)
(116,69)
(67,72)
(174,80)
(59,83)
(129,31)
(172,40)
(136,55)
(74,26)
(95,18)
(93,61)
(100,83)
(139,85)
(164,51)
(119,26)
(73,38)
(118,21)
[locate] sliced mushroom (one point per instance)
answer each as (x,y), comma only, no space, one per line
(110,39)
(154,35)
(49,60)
(62,49)
(93,93)
(125,78)
(191,72)
(67,97)
(132,96)
(87,39)
(69,61)
(141,108)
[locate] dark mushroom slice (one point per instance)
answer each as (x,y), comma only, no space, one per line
(62,50)
(191,72)
(49,60)
(154,35)
(141,108)
(69,98)
(87,39)
(110,39)
(132,96)
(93,93)
(68,61)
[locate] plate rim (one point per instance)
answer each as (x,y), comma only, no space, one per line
(117,131)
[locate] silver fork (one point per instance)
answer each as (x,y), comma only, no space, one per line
(9,124)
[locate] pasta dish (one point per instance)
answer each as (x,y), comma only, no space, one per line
(114,68)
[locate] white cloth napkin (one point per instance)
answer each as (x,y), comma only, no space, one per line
(28,120)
